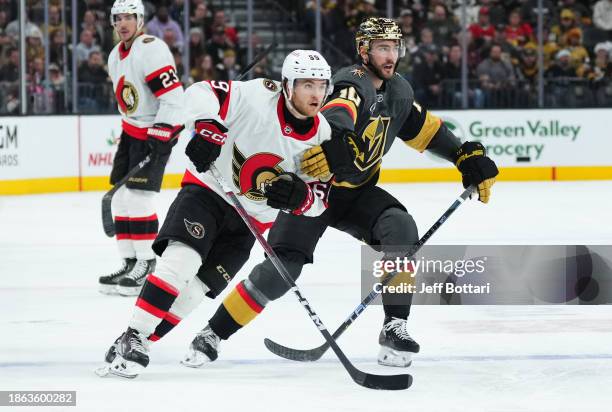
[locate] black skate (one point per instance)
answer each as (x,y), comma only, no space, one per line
(396,345)
(204,348)
(111,353)
(132,355)
(131,283)
(108,283)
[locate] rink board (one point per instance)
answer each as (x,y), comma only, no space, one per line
(45,154)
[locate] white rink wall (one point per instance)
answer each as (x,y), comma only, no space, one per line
(75,153)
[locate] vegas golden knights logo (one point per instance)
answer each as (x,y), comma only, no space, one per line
(370,146)
(250,175)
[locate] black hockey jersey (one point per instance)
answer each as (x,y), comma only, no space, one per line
(377,117)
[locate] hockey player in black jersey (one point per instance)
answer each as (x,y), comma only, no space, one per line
(370,108)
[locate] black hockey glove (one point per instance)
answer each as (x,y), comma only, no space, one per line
(288,192)
(162,137)
(332,156)
(476,168)
(205,145)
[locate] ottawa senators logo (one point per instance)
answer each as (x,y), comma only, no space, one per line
(370,147)
(127,96)
(250,175)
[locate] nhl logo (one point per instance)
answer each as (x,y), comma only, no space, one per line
(288,130)
(195,229)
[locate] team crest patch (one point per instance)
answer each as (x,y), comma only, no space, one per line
(270,85)
(195,229)
(149,40)
(252,174)
(358,72)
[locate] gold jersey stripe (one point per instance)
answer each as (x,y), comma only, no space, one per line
(347,104)
(428,130)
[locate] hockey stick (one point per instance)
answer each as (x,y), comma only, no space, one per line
(391,382)
(107,216)
(310,355)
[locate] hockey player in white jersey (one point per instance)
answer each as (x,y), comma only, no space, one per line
(255,132)
(149,97)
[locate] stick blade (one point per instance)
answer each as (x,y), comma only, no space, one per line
(383,382)
(299,355)
(107,216)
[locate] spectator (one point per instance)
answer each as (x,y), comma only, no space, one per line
(57,48)
(228,69)
(230,32)
(567,23)
(178,62)
(13,28)
(528,67)
(408,31)
(529,11)
(562,67)
(427,77)
(451,73)
(92,71)
(161,22)
(55,20)
(196,45)
(217,45)
(602,67)
(516,32)
(443,27)
(10,70)
(578,54)
(169,38)
(495,73)
(91,23)
(93,79)
(34,45)
(86,46)
(602,16)
(426,41)
(582,12)
(205,70)
(202,18)
(483,31)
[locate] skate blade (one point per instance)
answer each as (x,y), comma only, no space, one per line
(392,357)
(108,289)
(195,359)
(124,368)
(128,291)
(102,371)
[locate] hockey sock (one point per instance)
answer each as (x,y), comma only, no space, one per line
(122,224)
(240,307)
(178,264)
(189,299)
(143,222)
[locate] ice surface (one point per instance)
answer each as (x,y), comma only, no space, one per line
(55,326)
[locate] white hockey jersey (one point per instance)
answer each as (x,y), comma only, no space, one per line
(146,85)
(259,146)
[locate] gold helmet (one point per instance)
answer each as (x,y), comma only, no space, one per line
(378,28)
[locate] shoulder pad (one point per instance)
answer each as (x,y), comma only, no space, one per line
(357,77)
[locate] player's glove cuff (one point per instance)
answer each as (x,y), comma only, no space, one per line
(211,130)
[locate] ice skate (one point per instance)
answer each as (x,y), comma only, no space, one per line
(203,349)
(131,283)
(108,283)
(132,355)
(396,345)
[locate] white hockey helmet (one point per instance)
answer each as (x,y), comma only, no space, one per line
(305,64)
(128,7)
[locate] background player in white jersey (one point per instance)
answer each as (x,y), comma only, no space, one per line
(255,135)
(150,98)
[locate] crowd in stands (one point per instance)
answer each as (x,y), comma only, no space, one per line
(214,51)
(502,58)
(502,54)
